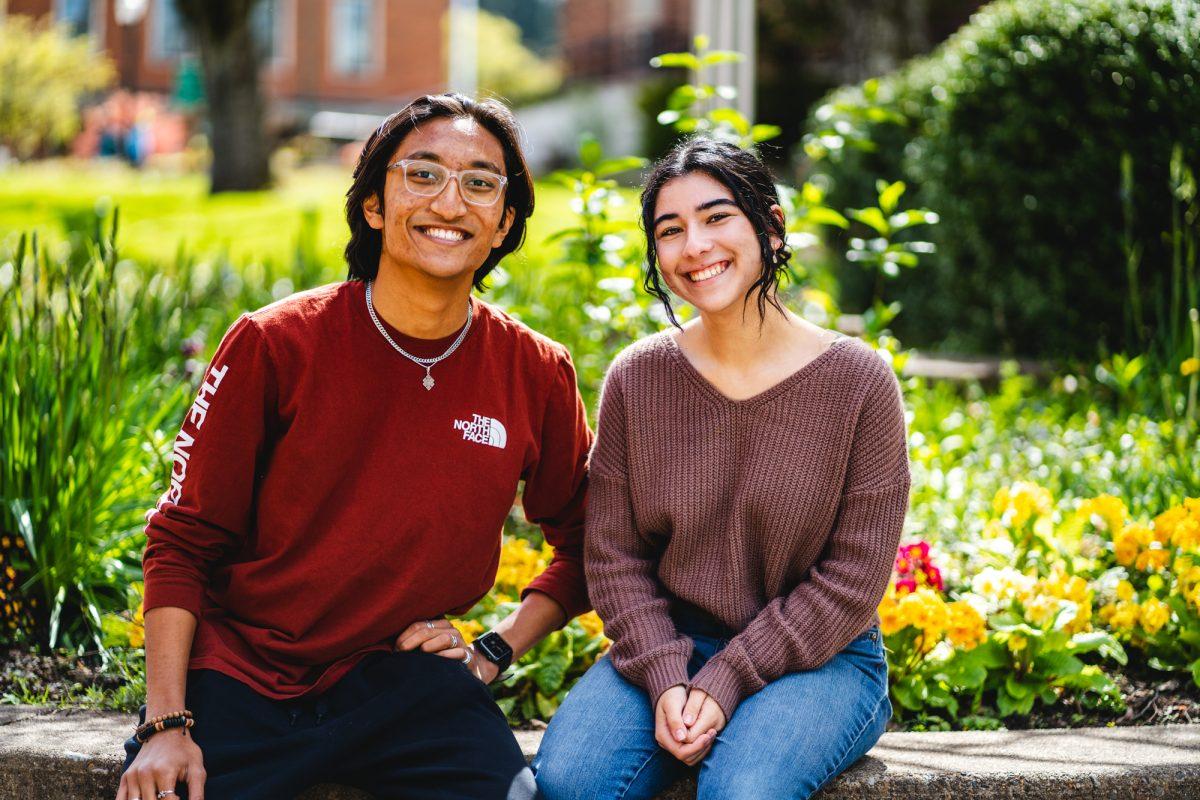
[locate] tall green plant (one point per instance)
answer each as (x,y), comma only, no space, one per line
(77,461)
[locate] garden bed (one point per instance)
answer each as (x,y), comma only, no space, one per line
(1150,697)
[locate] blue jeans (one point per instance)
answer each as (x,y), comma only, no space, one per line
(785,741)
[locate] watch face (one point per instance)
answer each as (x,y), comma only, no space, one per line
(494,647)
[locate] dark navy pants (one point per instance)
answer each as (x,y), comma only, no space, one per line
(399,725)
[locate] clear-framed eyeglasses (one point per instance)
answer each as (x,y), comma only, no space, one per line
(428,178)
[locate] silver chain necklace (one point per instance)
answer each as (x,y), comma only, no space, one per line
(427,363)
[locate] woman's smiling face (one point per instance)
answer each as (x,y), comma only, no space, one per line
(707,248)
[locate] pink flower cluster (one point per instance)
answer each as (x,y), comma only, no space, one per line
(914,569)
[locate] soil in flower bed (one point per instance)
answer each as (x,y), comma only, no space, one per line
(1151,697)
(58,679)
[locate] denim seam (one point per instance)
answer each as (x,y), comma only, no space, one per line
(632,780)
(841,764)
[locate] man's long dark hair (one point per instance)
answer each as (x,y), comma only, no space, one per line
(366,243)
(753,190)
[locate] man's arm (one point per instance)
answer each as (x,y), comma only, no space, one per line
(203,513)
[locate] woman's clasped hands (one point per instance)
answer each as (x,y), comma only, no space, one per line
(686,723)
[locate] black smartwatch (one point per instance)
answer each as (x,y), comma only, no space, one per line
(493,647)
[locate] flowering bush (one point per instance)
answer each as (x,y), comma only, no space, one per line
(537,683)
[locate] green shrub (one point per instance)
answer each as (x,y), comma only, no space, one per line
(43,74)
(1014,131)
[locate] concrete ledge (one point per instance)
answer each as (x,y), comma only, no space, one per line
(47,754)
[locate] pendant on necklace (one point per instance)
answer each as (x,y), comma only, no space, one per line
(427,382)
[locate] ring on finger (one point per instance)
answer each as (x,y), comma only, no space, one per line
(165,793)
(429,624)
(468,656)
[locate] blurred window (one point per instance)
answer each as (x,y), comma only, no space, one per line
(643,14)
(352,31)
(168,38)
(76,15)
(271,24)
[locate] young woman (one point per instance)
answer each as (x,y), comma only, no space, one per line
(748,486)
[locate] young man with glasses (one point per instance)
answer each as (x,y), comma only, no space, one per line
(339,487)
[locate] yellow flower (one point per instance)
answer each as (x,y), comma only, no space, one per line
(1106,512)
(1017,643)
(520,563)
(137,628)
(1124,590)
(1125,615)
(1021,502)
(592,623)
(5,542)
(468,628)
(923,609)
(1127,543)
(967,628)
(1190,366)
(1155,614)
(1153,558)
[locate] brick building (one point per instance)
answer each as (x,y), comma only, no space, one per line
(604,38)
(363,56)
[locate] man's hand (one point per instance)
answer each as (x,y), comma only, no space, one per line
(688,744)
(704,719)
(440,637)
(165,760)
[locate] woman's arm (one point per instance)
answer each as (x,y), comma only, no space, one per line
(622,563)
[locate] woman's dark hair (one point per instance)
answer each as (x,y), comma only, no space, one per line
(366,243)
(754,193)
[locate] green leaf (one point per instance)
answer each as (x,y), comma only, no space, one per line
(552,671)
(1196,672)
(889,196)
(1015,687)
(911,217)
(611,166)
(546,706)
(825,216)
(731,117)
(1057,663)
(507,704)
(590,153)
(871,217)
(910,692)
(762,133)
(683,60)
(682,97)
(721,57)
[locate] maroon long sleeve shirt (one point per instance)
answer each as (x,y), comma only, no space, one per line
(322,499)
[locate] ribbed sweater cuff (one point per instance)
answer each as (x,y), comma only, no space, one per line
(665,671)
(719,681)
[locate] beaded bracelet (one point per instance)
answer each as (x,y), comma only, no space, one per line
(175,722)
(176,719)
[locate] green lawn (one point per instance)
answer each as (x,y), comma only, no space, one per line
(161,212)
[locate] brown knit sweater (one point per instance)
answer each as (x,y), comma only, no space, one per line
(779,514)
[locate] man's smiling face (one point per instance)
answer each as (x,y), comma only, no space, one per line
(442,236)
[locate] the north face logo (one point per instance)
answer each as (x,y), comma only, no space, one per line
(482,430)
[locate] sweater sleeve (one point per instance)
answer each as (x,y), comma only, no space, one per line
(556,490)
(218,453)
(840,595)
(622,565)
